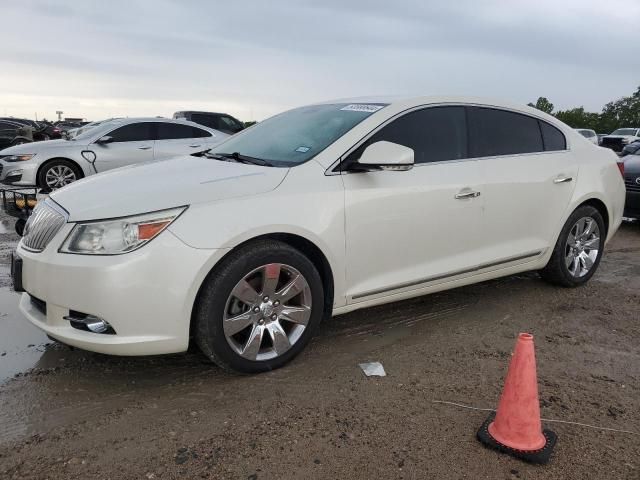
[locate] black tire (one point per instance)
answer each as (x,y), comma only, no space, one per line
(20,223)
(216,289)
(556,271)
(42,174)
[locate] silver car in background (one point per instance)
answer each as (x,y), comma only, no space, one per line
(116,143)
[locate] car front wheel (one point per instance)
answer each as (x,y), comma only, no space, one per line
(578,251)
(57,174)
(259,308)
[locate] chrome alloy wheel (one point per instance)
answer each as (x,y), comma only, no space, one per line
(59,175)
(582,246)
(267,312)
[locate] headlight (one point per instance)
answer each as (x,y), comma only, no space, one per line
(19,158)
(114,237)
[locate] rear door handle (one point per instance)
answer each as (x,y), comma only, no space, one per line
(195,146)
(462,194)
(144,148)
(562,180)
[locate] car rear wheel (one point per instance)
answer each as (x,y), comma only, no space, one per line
(578,251)
(259,308)
(57,174)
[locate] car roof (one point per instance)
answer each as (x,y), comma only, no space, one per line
(202,112)
(110,125)
(399,103)
(430,99)
(126,121)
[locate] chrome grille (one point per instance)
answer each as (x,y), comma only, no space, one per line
(46,220)
(632,185)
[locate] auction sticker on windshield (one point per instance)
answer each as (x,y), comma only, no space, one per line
(361,107)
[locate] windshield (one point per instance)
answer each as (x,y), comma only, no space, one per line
(90,132)
(625,131)
(293,137)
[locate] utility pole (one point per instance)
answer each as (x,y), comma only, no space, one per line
(59,113)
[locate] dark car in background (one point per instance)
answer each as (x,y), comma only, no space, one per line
(218,121)
(632,149)
(632,184)
(14,133)
(41,130)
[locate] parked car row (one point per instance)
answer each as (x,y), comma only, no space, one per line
(15,131)
(111,144)
(52,165)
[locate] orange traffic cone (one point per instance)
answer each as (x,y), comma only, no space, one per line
(515,428)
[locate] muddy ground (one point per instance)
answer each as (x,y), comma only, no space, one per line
(77,415)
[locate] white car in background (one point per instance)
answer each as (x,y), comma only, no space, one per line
(590,135)
(317,211)
(112,144)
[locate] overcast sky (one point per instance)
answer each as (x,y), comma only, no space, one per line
(250,58)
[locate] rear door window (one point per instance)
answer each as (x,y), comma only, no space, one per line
(552,137)
(173,131)
(494,132)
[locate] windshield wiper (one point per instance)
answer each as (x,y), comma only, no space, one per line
(243,158)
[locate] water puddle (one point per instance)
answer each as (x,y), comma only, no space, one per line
(22,346)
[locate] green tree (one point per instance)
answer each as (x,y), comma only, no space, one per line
(624,112)
(579,118)
(543,104)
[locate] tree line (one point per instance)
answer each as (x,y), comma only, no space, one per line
(624,112)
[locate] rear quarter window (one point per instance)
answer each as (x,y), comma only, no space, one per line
(552,137)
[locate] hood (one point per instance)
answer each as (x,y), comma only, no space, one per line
(35,147)
(152,186)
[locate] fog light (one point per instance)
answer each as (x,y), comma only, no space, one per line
(89,323)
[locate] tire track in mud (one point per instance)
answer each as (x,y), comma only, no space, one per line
(158,376)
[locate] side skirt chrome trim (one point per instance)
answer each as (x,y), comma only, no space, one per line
(447,275)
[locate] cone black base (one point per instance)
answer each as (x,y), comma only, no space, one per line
(541,456)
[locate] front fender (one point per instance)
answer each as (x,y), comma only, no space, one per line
(307,204)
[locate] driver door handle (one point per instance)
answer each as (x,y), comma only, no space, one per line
(195,146)
(144,148)
(466,193)
(562,180)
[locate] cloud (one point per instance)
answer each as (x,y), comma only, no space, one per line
(254,58)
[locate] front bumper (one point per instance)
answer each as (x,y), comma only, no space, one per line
(21,174)
(146,295)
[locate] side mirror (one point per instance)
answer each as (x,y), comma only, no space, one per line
(385,156)
(104,140)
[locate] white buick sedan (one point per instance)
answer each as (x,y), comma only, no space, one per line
(315,212)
